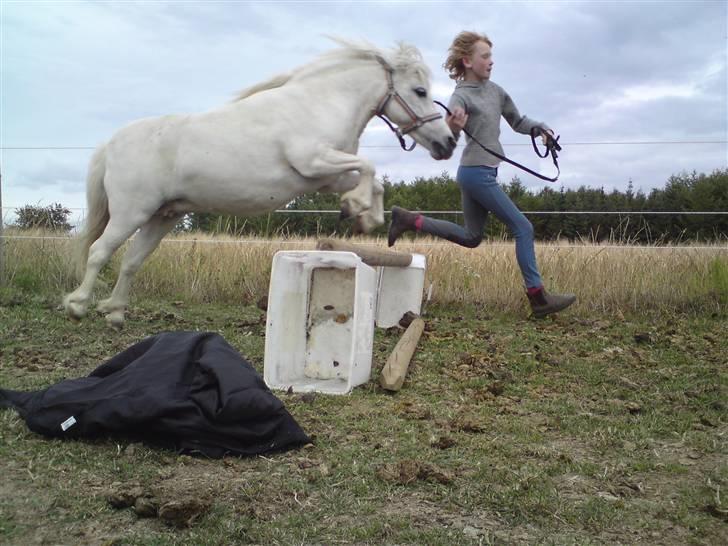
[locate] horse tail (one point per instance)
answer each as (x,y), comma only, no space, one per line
(276,81)
(97,213)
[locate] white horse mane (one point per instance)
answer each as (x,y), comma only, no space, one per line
(403,57)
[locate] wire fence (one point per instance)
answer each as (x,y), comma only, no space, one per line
(717,247)
(9,212)
(396,146)
(535,212)
(82,213)
(697,142)
(282,242)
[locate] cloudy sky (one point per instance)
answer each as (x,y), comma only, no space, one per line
(637,90)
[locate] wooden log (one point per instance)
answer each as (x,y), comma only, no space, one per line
(395,369)
(370,256)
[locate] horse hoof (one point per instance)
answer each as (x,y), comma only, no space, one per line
(115,319)
(104,306)
(76,311)
(353,207)
(364,224)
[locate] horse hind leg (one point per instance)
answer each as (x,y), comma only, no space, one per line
(142,245)
(100,251)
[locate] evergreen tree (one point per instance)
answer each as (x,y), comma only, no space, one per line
(683,192)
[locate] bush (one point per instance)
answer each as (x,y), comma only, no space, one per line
(53,217)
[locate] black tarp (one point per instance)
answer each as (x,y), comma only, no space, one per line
(187,391)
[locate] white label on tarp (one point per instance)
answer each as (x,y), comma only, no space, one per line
(68,423)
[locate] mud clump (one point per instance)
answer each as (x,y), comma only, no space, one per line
(183,512)
(176,511)
(408,471)
(146,507)
(124,495)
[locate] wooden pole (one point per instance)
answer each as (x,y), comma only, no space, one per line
(395,369)
(368,255)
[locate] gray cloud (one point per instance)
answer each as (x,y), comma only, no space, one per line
(73,73)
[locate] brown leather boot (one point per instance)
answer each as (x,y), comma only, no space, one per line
(402,220)
(543,303)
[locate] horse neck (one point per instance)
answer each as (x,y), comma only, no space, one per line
(359,90)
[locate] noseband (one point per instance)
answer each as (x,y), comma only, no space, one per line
(415,121)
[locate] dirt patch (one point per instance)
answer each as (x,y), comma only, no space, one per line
(34,360)
(467,423)
(443,442)
(481,364)
(474,525)
(407,471)
(414,411)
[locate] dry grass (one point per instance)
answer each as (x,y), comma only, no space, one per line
(607,278)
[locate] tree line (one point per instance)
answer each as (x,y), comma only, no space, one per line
(687,192)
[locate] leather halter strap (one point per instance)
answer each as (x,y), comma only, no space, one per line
(415,121)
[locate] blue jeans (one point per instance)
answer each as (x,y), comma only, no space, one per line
(481,194)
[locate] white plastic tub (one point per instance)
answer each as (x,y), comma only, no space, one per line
(400,290)
(320,324)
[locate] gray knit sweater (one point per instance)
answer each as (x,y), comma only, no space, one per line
(485,102)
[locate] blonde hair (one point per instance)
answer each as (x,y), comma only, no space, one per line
(462,46)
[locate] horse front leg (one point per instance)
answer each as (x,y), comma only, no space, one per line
(327,162)
(359,200)
(142,245)
(374,216)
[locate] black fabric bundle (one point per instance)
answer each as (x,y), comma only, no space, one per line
(187,391)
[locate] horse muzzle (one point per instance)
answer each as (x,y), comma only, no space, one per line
(443,151)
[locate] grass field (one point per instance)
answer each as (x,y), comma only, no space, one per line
(605,425)
(199,268)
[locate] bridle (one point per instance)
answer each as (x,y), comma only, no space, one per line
(415,121)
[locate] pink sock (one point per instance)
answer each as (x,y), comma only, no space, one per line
(419,221)
(534,290)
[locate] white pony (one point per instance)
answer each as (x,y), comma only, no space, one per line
(296,133)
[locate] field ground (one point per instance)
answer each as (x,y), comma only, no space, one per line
(576,430)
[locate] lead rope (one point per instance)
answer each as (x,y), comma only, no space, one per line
(552,146)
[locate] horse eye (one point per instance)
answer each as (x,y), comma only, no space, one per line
(421,92)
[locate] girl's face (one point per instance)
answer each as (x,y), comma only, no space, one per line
(479,63)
